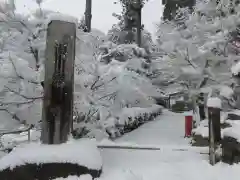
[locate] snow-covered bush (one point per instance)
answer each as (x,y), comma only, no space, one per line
(125,121)
(107,81)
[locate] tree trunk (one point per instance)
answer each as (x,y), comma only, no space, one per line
(88,16)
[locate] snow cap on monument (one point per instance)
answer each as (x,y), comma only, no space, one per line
(61,17)
(214,102)
(236,69)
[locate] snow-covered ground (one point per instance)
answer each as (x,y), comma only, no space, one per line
(175,159)
(168,129)
(167,132)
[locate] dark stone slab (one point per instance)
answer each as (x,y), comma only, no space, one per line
(232,116)
(200,141)
(46,171)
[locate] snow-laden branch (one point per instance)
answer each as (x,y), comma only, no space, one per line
(22,95)
(19,75)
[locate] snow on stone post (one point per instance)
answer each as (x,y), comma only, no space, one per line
(58,83)
(214,105)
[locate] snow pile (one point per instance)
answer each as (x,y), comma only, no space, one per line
(83,152)
(233,132)
(214,102)
(129,119)
(188,113)
(82,177)
(235,111)
(235,69)
(202,129)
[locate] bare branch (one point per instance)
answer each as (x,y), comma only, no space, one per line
(188,59)
(16,103)
(96,87)
(95,82)
(18,75)
(111,94)
(22,95)
(14,116)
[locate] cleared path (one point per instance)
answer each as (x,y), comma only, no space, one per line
(168,132)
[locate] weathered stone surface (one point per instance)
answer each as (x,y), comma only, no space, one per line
(231,150)
(200,141)
(181,106)
(232,116)
(46,171)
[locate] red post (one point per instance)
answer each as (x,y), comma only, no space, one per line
(188,125)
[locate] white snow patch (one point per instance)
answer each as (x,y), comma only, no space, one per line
(237,112)
(202,129)
(83,152)
(188,113)
(226,92)
(235,69)
(2,154)
(214,102)
(135,112)
(189,70)
(232,132)
(12,140)
(82,177)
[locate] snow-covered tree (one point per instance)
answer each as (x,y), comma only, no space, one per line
(119,34)
(197,46)
(107,81)
(19,59)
